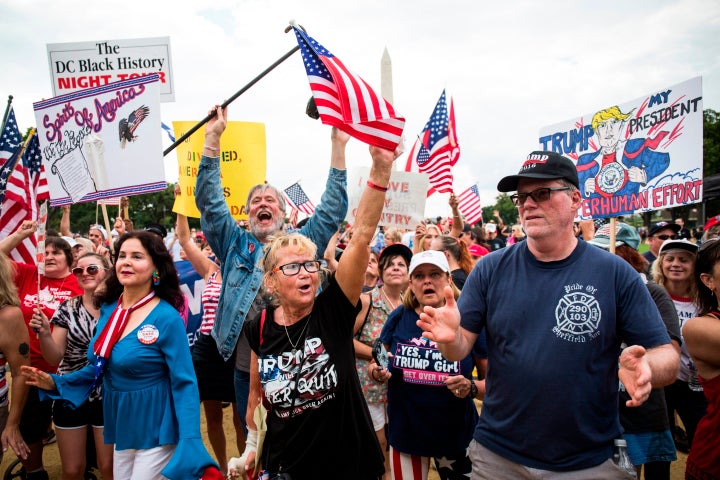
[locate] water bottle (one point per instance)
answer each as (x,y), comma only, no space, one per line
(622,459)
(693,380)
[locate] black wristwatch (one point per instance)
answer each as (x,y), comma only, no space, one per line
(473,389)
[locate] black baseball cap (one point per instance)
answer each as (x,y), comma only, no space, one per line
(656,227)
(396,249)
(157,229)
(541,164)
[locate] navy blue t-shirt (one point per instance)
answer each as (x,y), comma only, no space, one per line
(553,337)
(424,417)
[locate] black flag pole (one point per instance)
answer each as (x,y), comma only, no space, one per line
(7,112)
(227,102)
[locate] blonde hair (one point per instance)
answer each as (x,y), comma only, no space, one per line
(607,114)
(393,235)
(297,241)
(8,290)
(658,275)
(410,301)
(420,247)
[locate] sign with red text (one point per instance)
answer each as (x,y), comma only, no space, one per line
(404,199)
(102,142)
(243,164)
(77,66)
(637,156)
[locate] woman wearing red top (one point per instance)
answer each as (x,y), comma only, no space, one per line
(56,285)
(702,335)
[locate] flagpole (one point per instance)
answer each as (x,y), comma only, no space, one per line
(235,96)
(7,112)
(21,150)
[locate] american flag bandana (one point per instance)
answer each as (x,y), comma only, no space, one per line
(111,334)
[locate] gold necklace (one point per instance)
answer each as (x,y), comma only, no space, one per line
(287,334)
(387,299)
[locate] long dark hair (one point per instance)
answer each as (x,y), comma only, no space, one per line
(169,287)
(708,256)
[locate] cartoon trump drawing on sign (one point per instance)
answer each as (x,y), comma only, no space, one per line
(621,166)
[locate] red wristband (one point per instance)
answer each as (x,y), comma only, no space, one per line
(376,186)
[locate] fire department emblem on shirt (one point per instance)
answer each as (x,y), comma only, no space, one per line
(577,317)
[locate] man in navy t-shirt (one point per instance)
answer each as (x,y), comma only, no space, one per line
(555,311)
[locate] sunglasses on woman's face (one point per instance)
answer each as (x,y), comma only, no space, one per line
(90,270)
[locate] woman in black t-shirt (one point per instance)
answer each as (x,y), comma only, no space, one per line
(303,364)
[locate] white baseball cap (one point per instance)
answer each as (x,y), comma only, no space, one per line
(71,241)
(431,257)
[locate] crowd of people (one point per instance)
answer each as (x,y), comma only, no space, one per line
(363,352)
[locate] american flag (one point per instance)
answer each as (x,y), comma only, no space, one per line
(298,200)
(469,205)
(437,149)
(10,137)
(345,100)
(23,184)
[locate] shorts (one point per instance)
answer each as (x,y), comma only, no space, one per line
(215,376)
(36,417)
(89,413)
(378,415)
(650,447)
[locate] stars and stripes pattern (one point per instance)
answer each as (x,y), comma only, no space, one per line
(22,185)
(346,101)
(10,137)
(437,149)
(298,199)
(469,205)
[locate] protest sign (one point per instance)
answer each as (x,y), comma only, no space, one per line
(192,286)
(242,165)
(404,199)
(81,65)
(637,156)
(102,142)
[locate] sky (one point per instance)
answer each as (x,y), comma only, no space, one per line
(512,67)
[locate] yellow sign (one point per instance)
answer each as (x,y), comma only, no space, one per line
(243,165)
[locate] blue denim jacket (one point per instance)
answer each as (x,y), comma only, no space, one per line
(240,252)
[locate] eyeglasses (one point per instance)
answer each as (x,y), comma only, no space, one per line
(538,195)
(90,270)
(290,269)
(666,237)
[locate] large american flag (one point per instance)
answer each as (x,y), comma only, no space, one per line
(298,200)
(346,101)
(469,205)
(22,185)
(10,137)
(437,149)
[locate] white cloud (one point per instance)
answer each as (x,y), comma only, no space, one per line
(512,67)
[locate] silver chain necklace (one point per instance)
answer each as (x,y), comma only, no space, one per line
(300,337)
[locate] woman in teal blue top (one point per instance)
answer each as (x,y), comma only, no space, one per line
(150,395)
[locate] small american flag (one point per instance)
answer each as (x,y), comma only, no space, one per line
(298,200)
(23,185)
(10,137)
(346,101)
(469,205)
(438,151)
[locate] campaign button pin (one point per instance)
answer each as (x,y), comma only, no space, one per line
(148,334)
